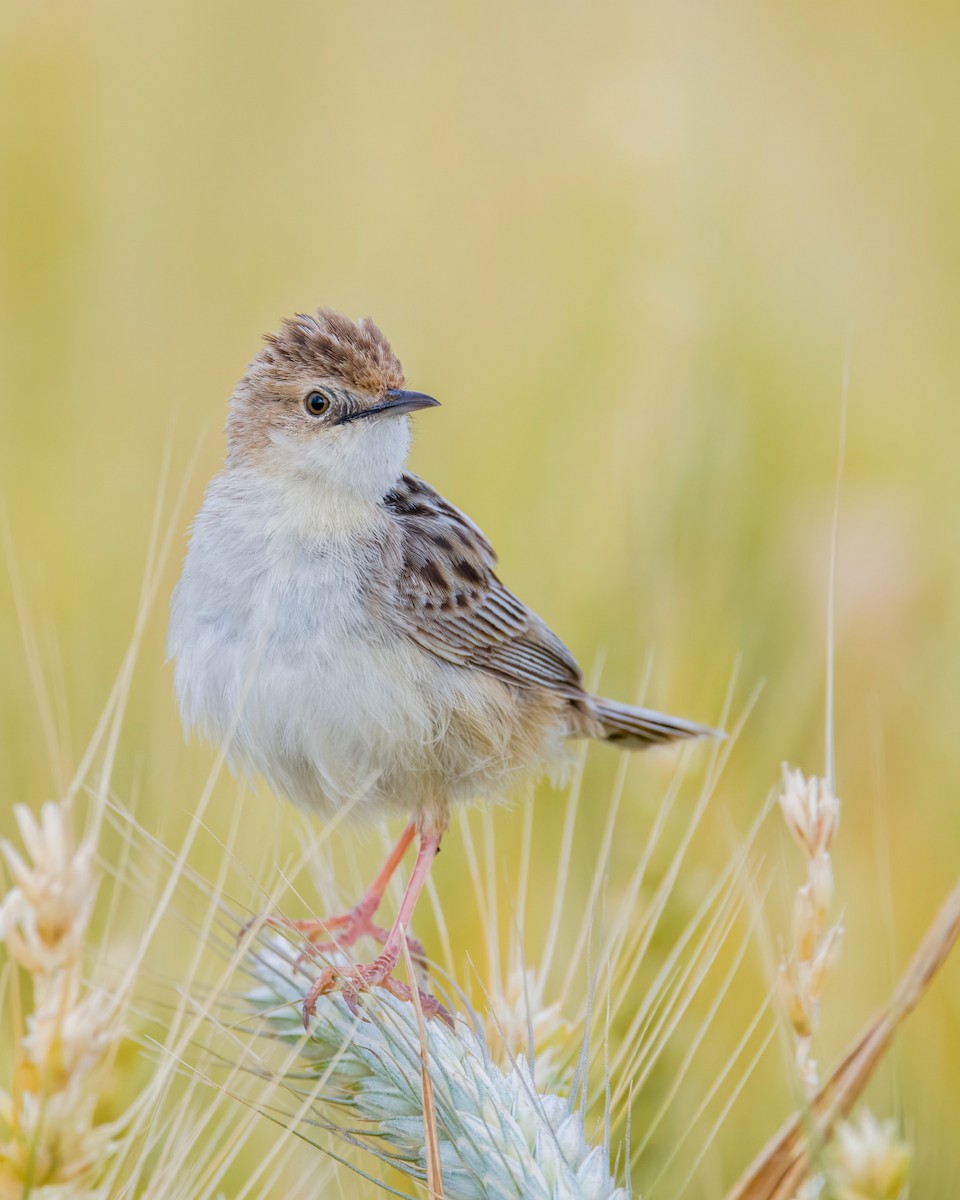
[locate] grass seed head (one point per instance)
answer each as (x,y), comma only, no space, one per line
(872,1161)
(811,810)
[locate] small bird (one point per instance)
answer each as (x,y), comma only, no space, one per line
(341,628)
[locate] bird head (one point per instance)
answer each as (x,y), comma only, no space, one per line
(324,398)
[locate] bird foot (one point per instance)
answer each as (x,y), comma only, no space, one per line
(338,932)
(341,931)
(352,981)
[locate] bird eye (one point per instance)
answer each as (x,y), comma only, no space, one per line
(316,404)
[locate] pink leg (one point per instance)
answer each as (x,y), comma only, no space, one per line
(379,973)
(428,851)
(374,894)
(342,930)
(358,920)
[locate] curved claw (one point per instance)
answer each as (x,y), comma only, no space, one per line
(361,978)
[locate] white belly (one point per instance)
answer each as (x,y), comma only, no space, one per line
(278,658)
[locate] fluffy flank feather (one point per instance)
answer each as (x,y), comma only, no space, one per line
(636,728)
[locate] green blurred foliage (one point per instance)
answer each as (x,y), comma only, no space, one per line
(630,247)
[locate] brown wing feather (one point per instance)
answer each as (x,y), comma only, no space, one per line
(453,605)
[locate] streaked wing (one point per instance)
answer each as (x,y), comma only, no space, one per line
(453,605)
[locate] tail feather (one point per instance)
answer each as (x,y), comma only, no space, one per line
(636,728)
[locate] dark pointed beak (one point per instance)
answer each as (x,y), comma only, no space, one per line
(396,402)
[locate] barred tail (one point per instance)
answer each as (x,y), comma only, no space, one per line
(637,728)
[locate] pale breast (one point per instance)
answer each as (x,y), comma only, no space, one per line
(279,655)
(285,653)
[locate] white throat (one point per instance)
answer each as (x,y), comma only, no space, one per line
(337,480)
(364,458)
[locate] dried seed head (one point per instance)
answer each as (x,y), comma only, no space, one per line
(812,814)
(75,1035)
(44,918)
(872,1161)
(53,1141)
(811,810)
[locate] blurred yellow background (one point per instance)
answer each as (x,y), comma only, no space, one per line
(629,247)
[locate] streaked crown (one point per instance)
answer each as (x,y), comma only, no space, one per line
(332,346)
